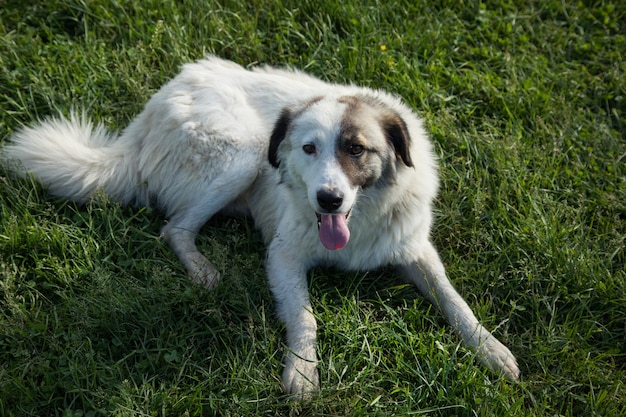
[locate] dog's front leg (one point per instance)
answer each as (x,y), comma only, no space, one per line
(288,282)
(429,275)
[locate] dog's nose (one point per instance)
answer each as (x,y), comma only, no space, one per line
(329,200)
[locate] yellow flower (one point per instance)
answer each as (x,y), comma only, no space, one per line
(383,48)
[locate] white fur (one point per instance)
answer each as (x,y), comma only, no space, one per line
(200,146)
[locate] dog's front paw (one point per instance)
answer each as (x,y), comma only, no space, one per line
(499,358)
(300,377)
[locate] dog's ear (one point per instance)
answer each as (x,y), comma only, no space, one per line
(398,136)
(278,134)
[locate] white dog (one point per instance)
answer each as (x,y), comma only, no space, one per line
(331,174)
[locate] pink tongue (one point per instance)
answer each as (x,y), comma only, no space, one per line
(334,232)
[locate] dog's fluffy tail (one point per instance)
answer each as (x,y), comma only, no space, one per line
(73,159)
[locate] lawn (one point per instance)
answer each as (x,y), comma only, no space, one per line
(526,105)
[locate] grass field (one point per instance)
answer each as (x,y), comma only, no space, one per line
(526,105)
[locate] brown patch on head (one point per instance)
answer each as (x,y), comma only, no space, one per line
(370,134)
(357,156)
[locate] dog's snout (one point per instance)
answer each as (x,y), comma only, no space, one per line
(330,200)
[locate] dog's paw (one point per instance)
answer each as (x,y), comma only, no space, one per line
(201,271)
(499,358)
(300,378)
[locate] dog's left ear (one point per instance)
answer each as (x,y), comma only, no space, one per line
(398,136)
(278,134)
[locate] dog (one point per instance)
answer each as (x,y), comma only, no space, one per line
(332,175)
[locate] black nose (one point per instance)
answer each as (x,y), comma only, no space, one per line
(329,200)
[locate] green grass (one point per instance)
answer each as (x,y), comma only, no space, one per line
(526,105)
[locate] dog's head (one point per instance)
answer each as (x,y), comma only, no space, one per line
(332,147)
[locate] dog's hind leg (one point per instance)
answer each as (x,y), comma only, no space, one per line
(180,233)
(199,205)
(429,275)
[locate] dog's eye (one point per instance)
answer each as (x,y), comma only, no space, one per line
(356,150)
(309,149)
